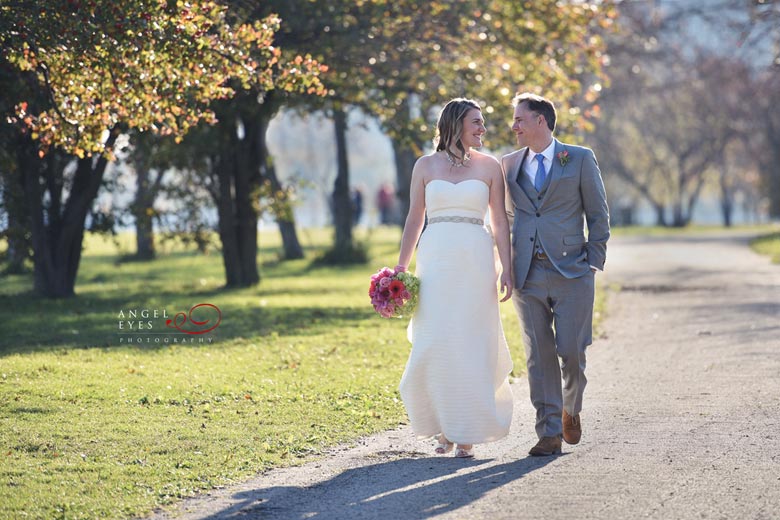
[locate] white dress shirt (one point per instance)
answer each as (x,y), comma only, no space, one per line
(531,164)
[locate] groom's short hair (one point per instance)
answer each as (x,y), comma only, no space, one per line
(538,104)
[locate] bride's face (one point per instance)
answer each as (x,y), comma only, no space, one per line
(473,129)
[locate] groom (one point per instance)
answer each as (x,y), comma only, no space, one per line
(553,189)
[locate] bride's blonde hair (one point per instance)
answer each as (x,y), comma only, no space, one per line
(450,125)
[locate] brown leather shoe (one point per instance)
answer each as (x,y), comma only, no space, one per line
(546,446)
(572,428)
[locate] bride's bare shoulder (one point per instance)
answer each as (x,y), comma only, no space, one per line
(427,159)
(424,165)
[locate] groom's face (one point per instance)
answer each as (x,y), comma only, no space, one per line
(527,125)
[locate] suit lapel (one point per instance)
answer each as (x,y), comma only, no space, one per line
(518,178)
(528,188)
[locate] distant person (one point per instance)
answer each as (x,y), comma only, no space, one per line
(455,386)
(357,205)
(384,201)
(553,190)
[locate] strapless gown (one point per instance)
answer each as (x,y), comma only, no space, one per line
(456,378)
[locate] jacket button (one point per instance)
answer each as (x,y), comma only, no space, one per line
(531,239)
(564,253)
(539,197)
(538,214)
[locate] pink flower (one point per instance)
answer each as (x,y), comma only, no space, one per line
(563,157)
(384,283)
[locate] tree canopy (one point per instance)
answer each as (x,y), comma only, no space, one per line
(153,65)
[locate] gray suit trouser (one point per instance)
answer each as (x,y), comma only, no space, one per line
(556,314)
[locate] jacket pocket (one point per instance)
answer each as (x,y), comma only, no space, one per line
(573,240)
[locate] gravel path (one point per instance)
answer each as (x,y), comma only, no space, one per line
(680,420)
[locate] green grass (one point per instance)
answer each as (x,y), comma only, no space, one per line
(768,245)
(94,428)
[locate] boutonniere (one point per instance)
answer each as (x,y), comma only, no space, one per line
(563,157)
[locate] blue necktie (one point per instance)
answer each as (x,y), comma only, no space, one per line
(540,173)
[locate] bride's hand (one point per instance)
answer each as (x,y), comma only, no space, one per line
(506,285)
(400,268)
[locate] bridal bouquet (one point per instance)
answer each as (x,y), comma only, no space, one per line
(394,293)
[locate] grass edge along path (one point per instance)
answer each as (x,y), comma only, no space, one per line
(769,245)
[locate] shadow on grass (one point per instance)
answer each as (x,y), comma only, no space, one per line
(37,324)
(294,298)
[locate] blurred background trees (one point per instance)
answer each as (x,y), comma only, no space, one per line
(77,75)
(164,115)
(687,110)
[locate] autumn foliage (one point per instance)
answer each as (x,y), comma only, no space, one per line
(145,64)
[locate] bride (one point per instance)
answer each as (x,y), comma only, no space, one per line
(455,386)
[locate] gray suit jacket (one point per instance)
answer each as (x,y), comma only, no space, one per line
(572,195)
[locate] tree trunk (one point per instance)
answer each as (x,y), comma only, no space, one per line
(727,210)
(770,157)
(726,194)
(237,215)
(678,219)
(660,214)
(404,163)
(227,222)
(17,233)
(286,221)
(774,195)
(247,180)
(772,176)
(57,236)
(143,211)
(144,236)
(240,167)
(693,195)
(342,208)
(290,243)
(18,250)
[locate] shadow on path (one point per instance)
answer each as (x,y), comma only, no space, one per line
(408,488)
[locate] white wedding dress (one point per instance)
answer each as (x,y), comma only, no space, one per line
(456,379)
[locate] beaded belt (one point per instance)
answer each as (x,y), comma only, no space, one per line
(469,220)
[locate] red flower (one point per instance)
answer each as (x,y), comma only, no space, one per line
(396,288)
